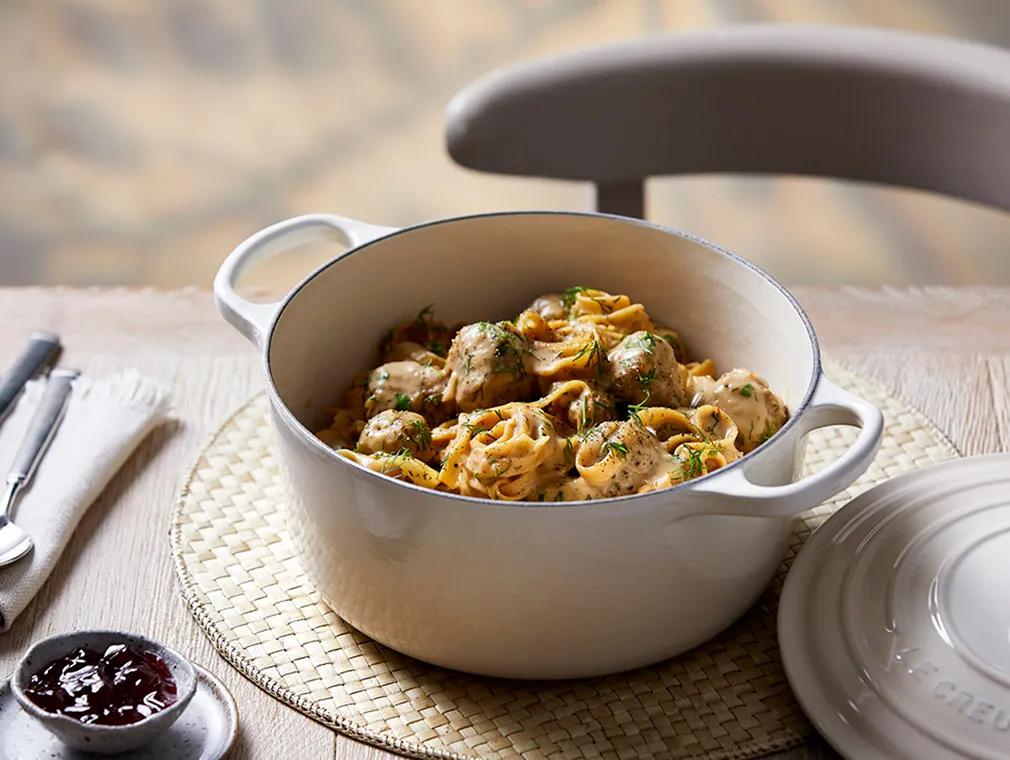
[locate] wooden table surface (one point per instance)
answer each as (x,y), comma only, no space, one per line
(946,350)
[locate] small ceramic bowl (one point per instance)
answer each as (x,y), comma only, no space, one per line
(103,740)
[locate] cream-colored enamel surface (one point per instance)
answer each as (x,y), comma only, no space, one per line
(894,622)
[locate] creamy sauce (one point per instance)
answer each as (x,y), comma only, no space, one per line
(582,397)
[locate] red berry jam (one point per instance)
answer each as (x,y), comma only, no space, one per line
(119,686)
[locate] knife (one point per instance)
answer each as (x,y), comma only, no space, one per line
(42,351)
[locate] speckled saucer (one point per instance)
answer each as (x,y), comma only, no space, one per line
(205,730)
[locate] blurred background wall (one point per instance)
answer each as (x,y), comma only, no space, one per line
(140,141)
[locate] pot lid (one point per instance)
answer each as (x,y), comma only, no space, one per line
(894,623)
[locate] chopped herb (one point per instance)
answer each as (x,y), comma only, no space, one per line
(619,448)
(402,402)
(568,300)
(425,315)
(540,496)
(569,449)
(437,347)
(474,428)
(634,410)
(695,463)
(392,461)
(433,399)
(591,350)
(646,380)
(647,343)
(422,432)
(770,429)
(509,348)
(747,390)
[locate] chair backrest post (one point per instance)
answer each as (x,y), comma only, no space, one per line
(626,198)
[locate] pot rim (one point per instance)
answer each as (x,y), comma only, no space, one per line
(307,436)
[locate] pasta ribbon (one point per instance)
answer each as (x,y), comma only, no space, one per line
(504,453)
(671,428)
(579,352)
(578,403)
(401,466)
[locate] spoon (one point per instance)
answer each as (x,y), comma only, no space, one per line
(14,542)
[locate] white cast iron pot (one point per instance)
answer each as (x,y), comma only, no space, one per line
(520,589)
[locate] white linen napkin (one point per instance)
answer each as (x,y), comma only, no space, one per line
(105,421)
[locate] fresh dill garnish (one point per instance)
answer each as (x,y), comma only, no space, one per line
(568,300)
(645,380)
(433,399)
(422,432)
(695,463)
(402,402)
(770,429)
(475,428)
(392,461)
(569,449)
(591,350)
(674,342)
(437,347)
(747,390)
(635,410)
(426,315)
(619,448)
(508,350)
(646,342)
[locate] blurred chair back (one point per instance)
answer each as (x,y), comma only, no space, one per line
(863,104)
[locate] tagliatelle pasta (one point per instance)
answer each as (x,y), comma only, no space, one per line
(581,396)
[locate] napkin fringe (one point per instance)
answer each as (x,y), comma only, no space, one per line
(127,388)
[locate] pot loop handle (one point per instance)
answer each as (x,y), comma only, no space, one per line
(734,493)
(254,320)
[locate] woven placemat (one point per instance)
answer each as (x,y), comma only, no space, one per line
(725,699)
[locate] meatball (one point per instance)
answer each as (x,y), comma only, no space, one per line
(424,330)
(745,397)
(643,369)
(406,386)
(415,352)
(392,432)
(550,306)
(488,365)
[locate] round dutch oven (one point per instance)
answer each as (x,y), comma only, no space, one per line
(522,589)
